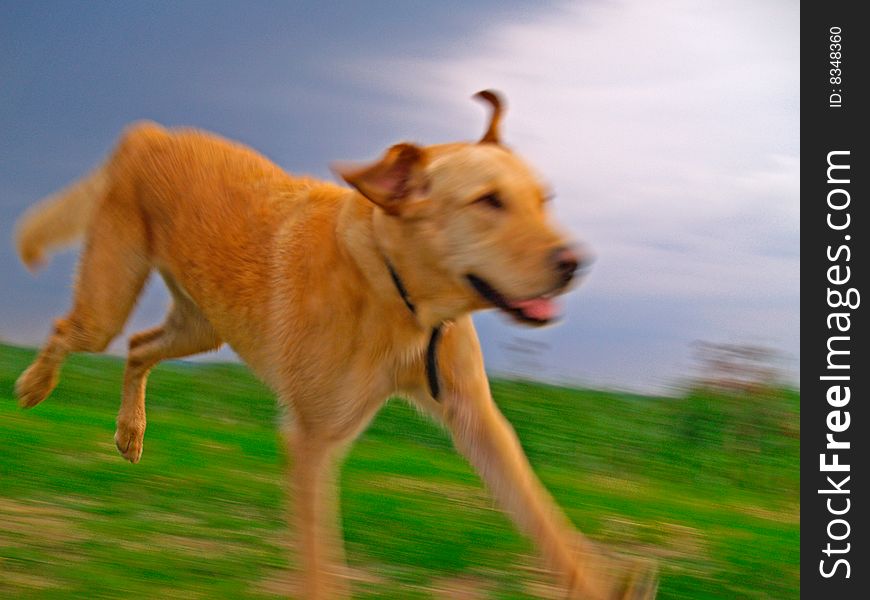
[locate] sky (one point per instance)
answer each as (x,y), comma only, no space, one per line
(669,130)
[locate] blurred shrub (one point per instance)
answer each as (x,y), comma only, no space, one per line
(737,409)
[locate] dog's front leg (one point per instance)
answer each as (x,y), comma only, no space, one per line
(315,514)
(483,435)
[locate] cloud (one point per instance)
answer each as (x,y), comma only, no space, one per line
(670,132)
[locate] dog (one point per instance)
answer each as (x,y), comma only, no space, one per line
(337,297)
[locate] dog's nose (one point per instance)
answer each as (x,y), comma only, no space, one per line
(567,261)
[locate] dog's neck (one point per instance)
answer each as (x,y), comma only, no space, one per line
(425,289)
(432,377)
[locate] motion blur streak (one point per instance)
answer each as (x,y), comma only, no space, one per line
(688,477)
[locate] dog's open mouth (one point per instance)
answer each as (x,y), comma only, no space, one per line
(535,311)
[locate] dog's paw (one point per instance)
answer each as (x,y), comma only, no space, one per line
(604,575)
(640,581)
(129,438)
(34,385)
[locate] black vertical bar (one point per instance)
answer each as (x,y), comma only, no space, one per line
(835,562)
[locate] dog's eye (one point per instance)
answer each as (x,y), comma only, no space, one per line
(491,200)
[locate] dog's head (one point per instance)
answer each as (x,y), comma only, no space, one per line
(476,214)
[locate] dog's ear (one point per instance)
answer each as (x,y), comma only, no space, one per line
(391,182)
(494,99)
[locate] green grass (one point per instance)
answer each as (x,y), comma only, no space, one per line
(710,488)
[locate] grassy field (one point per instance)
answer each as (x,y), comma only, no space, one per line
(708,487)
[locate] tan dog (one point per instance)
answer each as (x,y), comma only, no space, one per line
(337,298)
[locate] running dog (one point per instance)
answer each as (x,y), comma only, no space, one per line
(337,297)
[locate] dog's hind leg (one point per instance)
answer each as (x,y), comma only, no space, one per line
(112,270)
(186,331)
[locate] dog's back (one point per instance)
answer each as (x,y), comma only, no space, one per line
(202,210)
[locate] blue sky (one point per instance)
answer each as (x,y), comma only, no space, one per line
(668,128)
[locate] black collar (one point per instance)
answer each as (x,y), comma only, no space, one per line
(432,349)
(403,291)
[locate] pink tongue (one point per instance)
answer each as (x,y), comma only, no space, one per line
(542,309)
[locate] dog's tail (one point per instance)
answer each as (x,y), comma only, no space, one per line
(60,219)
